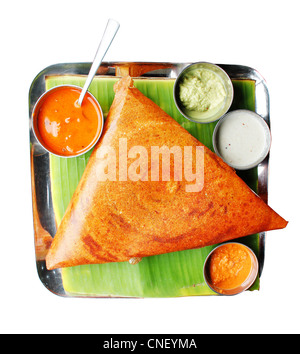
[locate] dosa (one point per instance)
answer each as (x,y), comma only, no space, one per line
(118,212)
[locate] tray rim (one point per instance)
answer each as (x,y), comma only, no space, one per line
(37,87)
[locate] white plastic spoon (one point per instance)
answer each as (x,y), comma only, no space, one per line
(108,36)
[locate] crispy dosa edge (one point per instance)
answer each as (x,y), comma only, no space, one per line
(60,254)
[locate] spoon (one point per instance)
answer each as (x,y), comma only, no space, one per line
(108,36)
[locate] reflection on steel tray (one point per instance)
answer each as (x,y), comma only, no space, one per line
(43,208)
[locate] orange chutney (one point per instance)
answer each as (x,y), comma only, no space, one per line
(64,127)
(230,265)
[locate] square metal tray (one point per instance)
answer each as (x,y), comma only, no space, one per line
(41,187)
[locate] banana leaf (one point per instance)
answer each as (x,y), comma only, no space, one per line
(168,275)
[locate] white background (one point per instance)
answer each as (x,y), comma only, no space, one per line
(262,34)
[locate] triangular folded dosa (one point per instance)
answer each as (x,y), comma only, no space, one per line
(118,219)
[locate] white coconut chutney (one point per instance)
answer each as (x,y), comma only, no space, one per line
(242,139)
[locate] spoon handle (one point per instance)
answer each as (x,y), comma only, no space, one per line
(108,36)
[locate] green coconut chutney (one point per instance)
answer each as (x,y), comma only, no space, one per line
(202,90)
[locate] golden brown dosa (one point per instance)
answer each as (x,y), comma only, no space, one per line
(114,221)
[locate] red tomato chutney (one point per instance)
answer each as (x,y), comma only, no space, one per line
(64,127)
(229,266)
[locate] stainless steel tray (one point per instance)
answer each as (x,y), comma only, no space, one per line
(41,187)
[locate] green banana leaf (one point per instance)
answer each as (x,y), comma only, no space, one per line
(168,275)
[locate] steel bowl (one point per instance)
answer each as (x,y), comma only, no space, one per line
(241,288)
(34,119)
(204,117)
(267,135)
